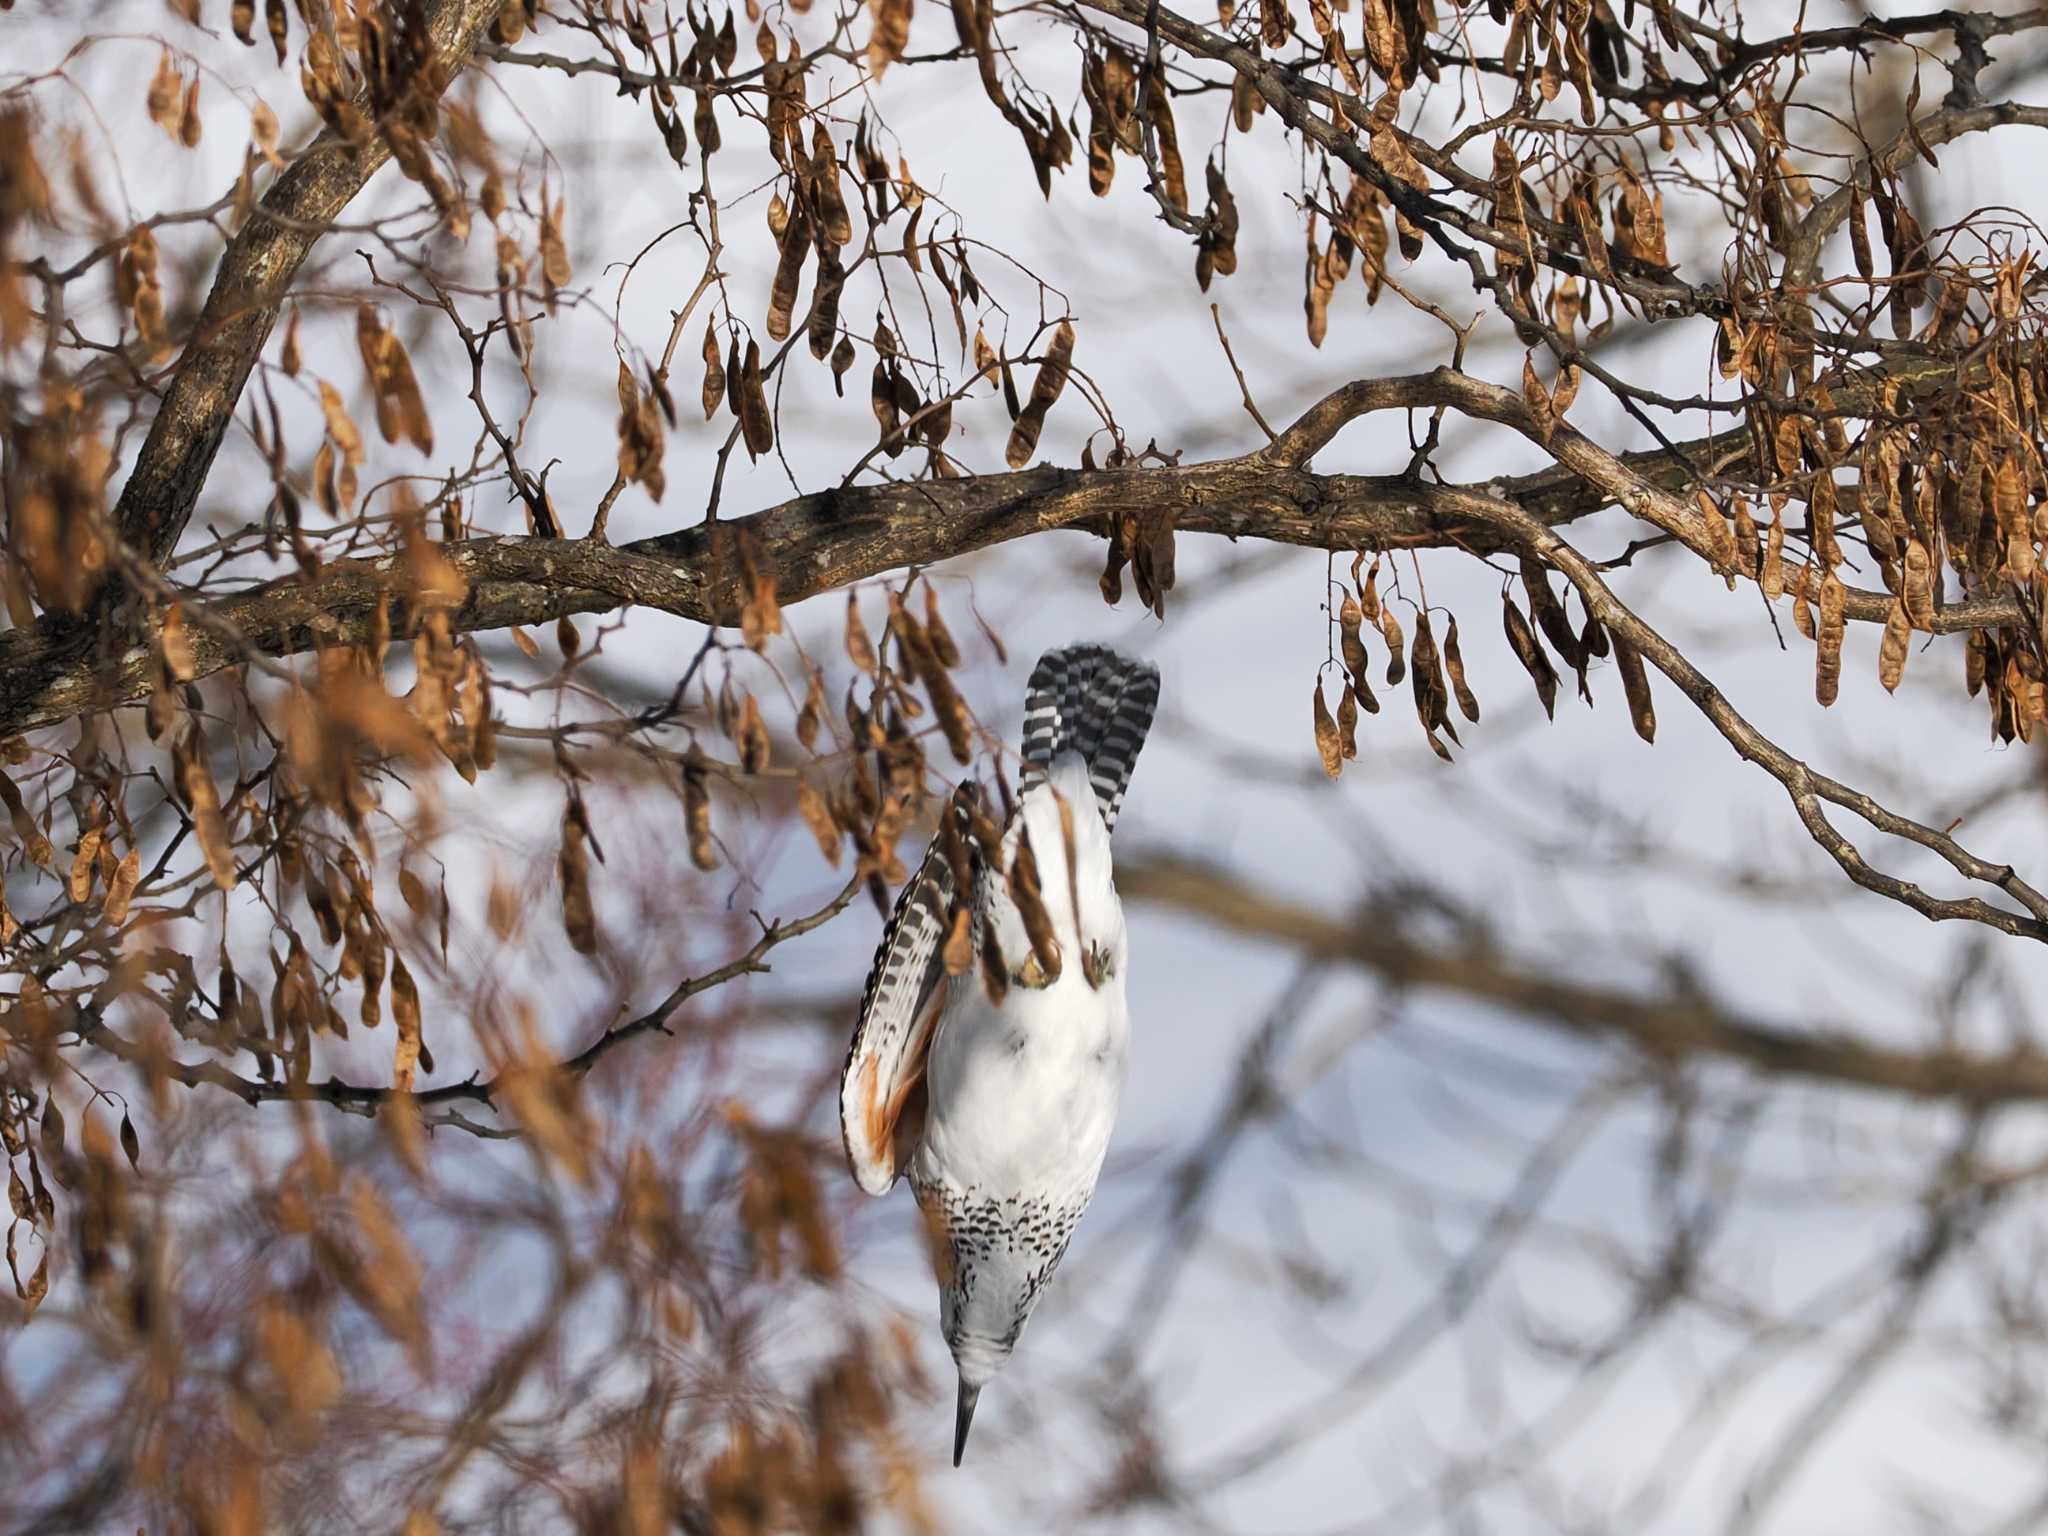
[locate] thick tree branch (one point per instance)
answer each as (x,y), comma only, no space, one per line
(249,286)
(1671,1025)
(826,540)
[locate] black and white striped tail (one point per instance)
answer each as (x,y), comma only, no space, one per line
(1090,700)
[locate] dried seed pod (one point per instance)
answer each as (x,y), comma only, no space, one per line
(1347,722)
(341,427)
(1593,638)
(697,809)
(1772,577)
(867,800)
(714,372)
(2008,498)
(1123,540)
(935,630)
(1028,896)
(1917,586)
(817,816)
(1821,513)
(120,889)
(1011,402)
(1541,409)
(824,321)
(1152,562)
(860,723)
(1891,654)
(753,737)
(882,396)
(756,423)
(1390,630)
(401,409)
(995,976)
(1275,25)
(1216,249)
(1549,614)
(2020,558)
(1635,684)
(1567,390)
(1367,699)
(1159,108)
(834,223)
(1786,443)
(410,1050)
(859,649)
(83,865)
(194,778)
(938,685)
(1426,679)
(1534,659)
(579,918)
(1368,593)
(1454,663)
(811,717)
(1748,546)
(52,1129)
(1349,619)
(1329,746)
(794,240)
(959,949)
(1828,659)
(1045,392)
(165,98)
(1859,233)
(1719,540)
(641,443)
(760,611)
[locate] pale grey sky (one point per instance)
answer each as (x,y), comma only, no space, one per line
(1448,1096)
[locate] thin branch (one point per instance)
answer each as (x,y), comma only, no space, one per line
(363,1100)
(1243,389)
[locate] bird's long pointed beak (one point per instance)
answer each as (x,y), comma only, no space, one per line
(963,1418)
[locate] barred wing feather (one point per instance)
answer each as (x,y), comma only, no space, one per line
(881,1089)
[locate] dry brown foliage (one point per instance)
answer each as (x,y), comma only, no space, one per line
(227,702)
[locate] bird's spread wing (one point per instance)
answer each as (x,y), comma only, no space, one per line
(881,1090)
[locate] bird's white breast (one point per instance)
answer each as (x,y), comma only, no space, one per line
(1023,1093)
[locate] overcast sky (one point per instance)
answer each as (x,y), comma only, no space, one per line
(1425,1089)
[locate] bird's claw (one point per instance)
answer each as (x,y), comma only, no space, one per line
(1098,965)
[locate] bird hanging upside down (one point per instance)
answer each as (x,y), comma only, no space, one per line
(995,1089)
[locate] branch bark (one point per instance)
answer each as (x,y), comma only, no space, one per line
(826,540)
(249,286)
(810,544)
(1671,1026)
